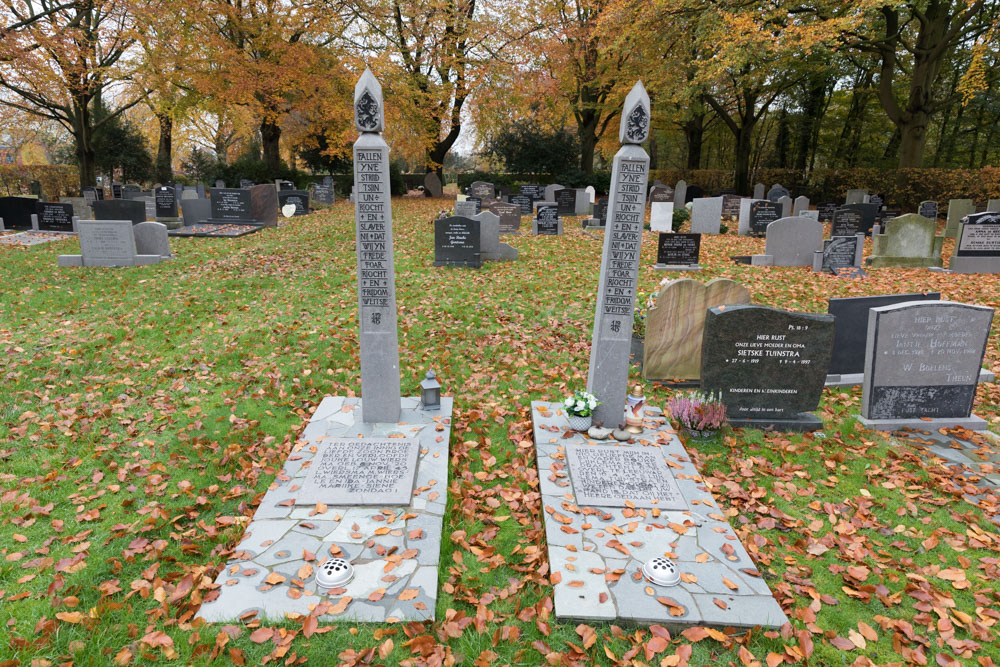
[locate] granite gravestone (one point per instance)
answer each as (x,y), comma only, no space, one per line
(922,362)
(566,202)
(264,205)
(457,242)
(151,239)
(231,205)
(977,249)
(768,364)
(661,193)
(680,194)
(869,214)
(482,190)
(786,207)
(678,252)
(743,222)
(477,202)
(361,471)
(661,214)
(855,196)
(547,221)
(524,202)
(908,242)
(55,217)
(380,400)
(591,193)
(92,194)
(298,198)
(876,199)
(510,217)
(131,191)
(466,209)
(582,202)
(120,209)
(792,241)
(245,183)
(846,222)
(550,192)
(196,211)
(609,351)
(776,192)
(81,209)
(706,215)
(731,206)
(533,190)
(107,243)
(601,211)
(323,193)
(762,214)
(759,191)
(675,325)
(16,212)
(622,477)
(826,211)
(165,199)
(800,205)
(840,252)
(116,190)
(432,185)
(150,207)
(188,193)
(851,329)
(693,192)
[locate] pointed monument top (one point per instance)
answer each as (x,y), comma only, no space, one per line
(635,116)
(368,112)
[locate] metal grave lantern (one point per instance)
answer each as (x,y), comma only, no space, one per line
(430,392)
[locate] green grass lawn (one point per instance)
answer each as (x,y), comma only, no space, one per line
(144,412)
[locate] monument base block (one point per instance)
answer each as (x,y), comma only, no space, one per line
(972,422)
(599,533)
(803,421)
(975,265)
(268,571)
(762,260)
(885,262)
(677,267)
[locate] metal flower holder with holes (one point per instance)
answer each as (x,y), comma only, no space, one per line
(698,413)
(580,409)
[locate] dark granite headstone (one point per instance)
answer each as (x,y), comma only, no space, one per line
(477,201)
(847,222)
(601,210)
(483,191)
(839,252)
(264,205)
(166,202)
(120,209)
(661,193)
(300,198)
(525,202)
(548,220)
(457,242)
(731,205)
(17,211)
(245,183)
(928,209)
(852,327)
(678,249)
(533,190)
(922,361)
(777,192)
(55,217)
(116,190)
(92,194)
(770,365)
(877,200)
(826,211)
(323,192)
(131,191)
(868,216)
(693,192)
(979,236)
(566,201)
(231,205)
(285,185)
(887,214)
(763,213)
(196,211)
(510,216)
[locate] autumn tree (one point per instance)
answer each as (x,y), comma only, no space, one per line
(64,59)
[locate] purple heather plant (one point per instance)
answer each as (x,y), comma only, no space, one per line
(696,411)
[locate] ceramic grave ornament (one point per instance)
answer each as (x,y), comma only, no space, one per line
(376,272)
(609,350)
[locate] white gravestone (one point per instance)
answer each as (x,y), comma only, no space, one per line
(706,215)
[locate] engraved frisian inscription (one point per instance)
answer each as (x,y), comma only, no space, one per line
(612,476)
(357,471)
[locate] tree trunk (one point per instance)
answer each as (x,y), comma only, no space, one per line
(956,128)
(811,113)
(782,140)
(892,148)
(586,130)
(741,176)
(912,139)
(654,153)
(694,137)
(850,133)
(164,150)
(83,135)
(270,139)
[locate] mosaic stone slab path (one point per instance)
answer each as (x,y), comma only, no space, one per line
(394,549)
(596,552)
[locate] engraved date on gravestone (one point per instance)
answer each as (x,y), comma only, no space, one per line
(610,476)
(361,471)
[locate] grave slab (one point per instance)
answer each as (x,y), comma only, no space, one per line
(615,541)
(408,536)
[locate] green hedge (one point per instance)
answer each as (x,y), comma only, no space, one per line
(904,188)
(57,179)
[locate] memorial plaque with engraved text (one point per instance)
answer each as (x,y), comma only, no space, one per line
(359,471)
(610,476)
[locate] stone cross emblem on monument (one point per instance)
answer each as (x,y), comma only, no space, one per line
(376,271)
(609,350)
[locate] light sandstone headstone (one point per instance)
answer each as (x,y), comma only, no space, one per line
(466,208)
(957,209)
(759,191)
(922,362)
(786,206)
(706,215)
(551,190)
(609,352)
(855,196)
(376,271)
(800,204)
(680,192)
(675,325)
(908,241)
(107,243)
(993,206)
(591,193)
(151,239)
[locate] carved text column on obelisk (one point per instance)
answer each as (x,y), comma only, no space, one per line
(376,275)
(609,350)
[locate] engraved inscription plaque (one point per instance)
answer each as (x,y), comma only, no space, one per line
(360,471)
(610,476)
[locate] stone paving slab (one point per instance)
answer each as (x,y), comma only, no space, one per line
(596,553)
(395,550)
(31,238)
